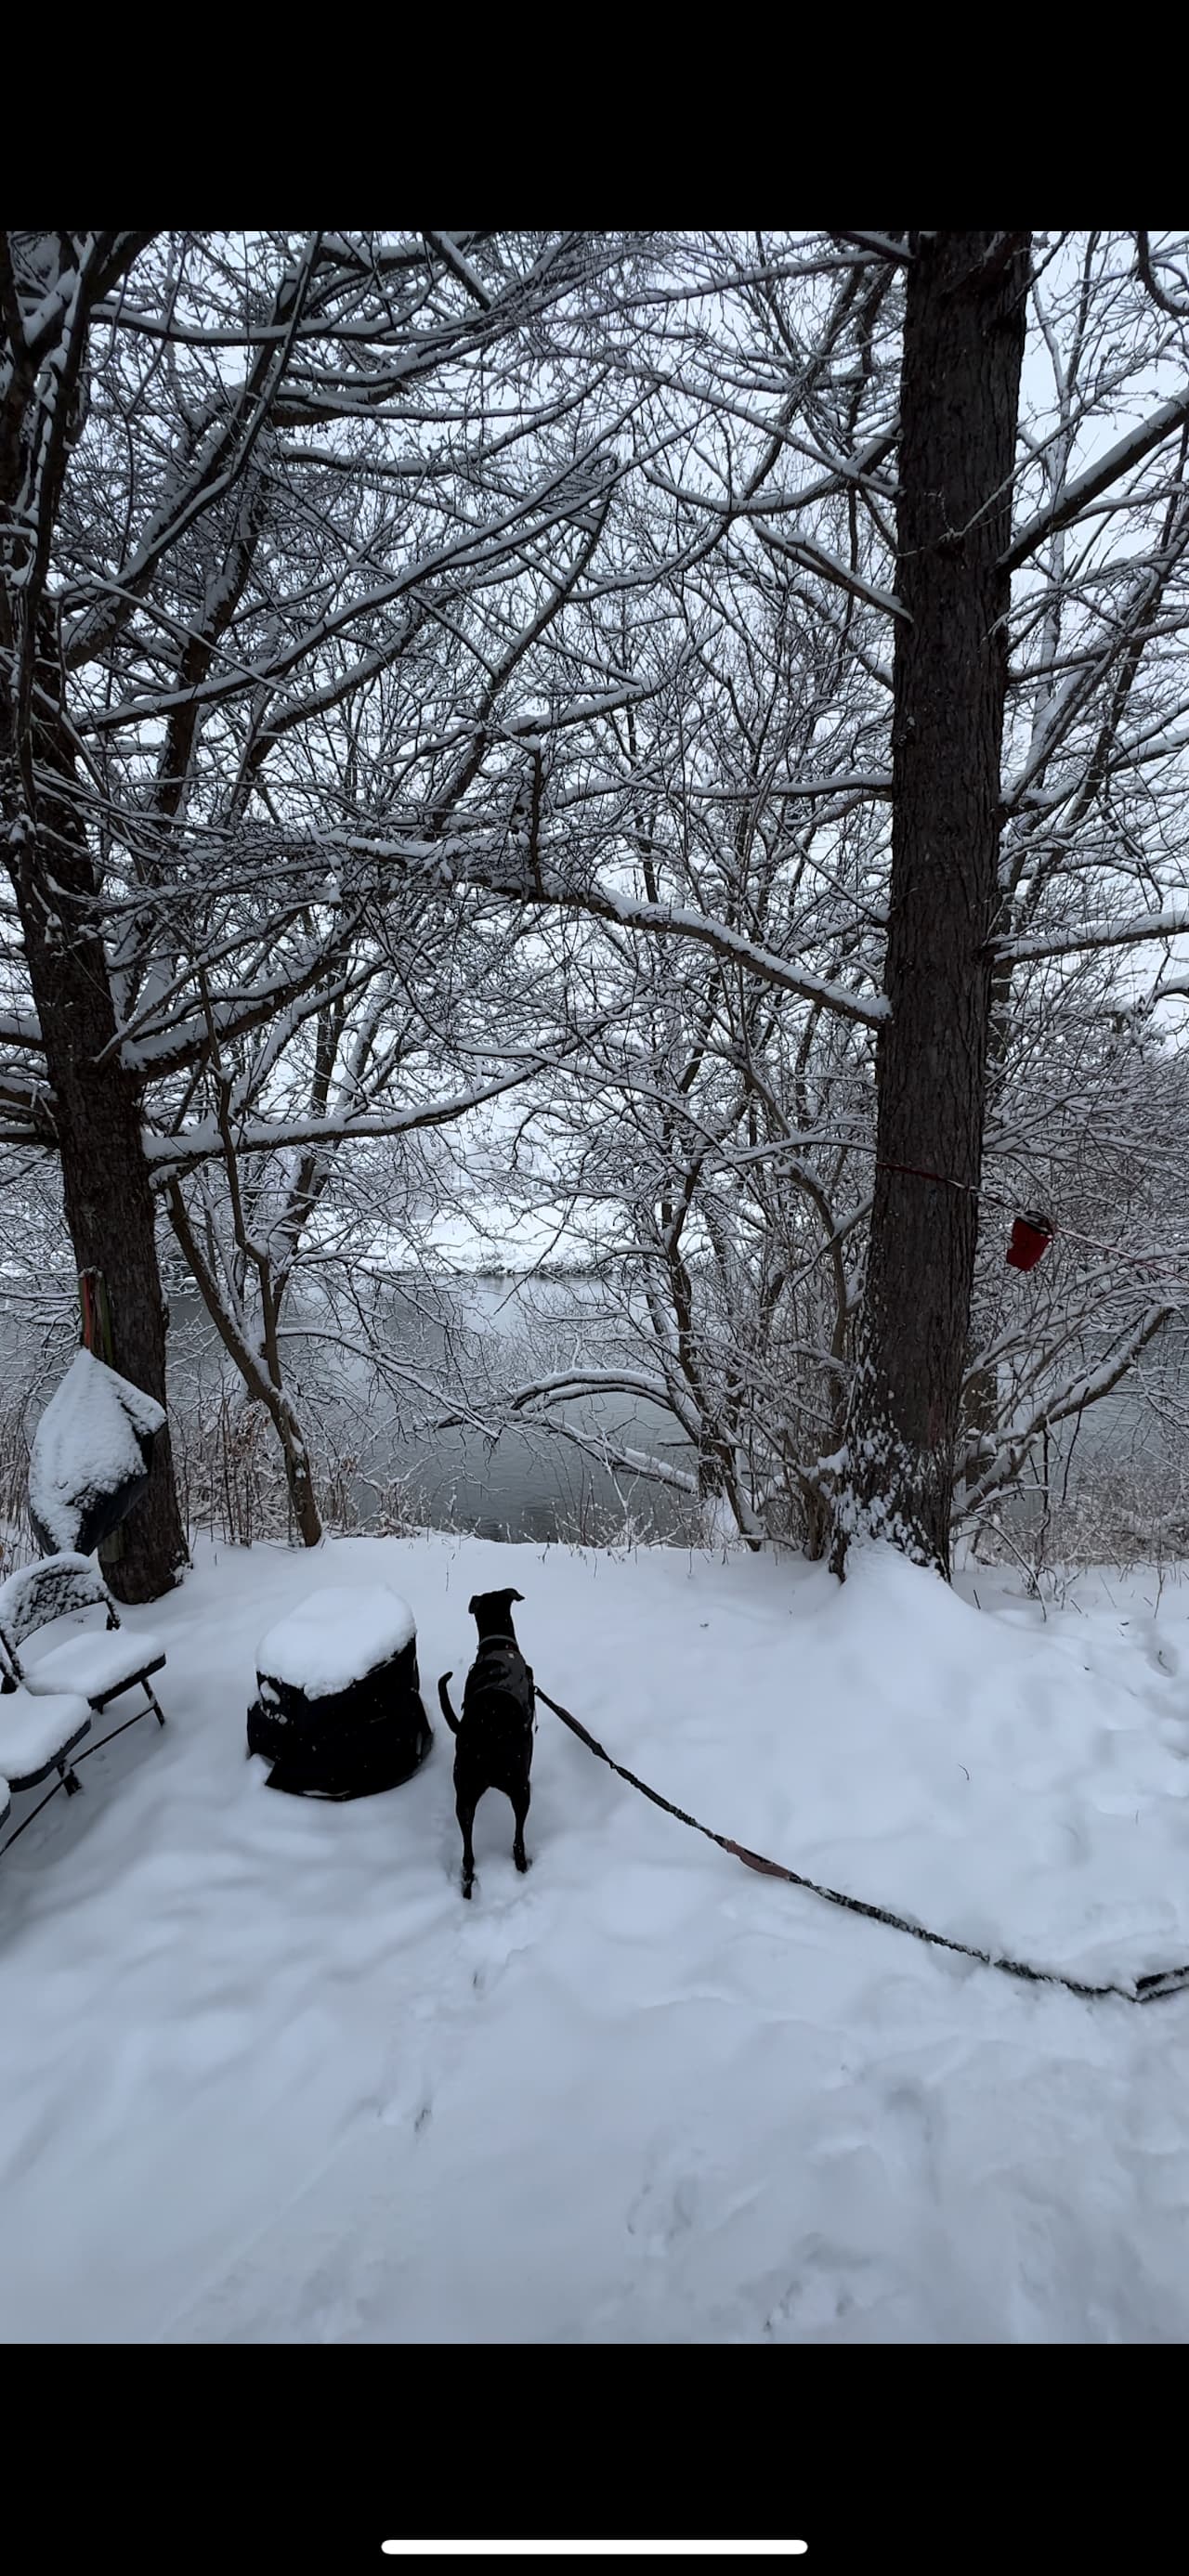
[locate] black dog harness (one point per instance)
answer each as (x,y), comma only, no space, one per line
(504,1669)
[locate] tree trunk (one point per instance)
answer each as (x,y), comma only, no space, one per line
(963,345)
(261,1374)
(302,1499)
(109,1202)
(95,1119)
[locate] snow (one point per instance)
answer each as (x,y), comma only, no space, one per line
(85,1444)
(335,1637)
(270,2080)
(1129,451)
(670,919)
(94,1663)
(1170,922)
(35,1730)
(27,1598)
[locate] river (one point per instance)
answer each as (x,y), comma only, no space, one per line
(537,1485)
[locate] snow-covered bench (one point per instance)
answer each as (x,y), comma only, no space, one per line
(38,1734)
(94,1665)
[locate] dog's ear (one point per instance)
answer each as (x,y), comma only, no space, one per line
(516,1596)
(473,1606)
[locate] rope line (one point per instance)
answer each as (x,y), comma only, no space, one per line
(993,1198)
(1143,1990)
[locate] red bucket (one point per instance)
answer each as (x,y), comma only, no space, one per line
(1030,1237)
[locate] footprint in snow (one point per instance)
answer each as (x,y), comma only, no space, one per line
(668,2205)
(497,1932)
(410,2107)
(829,2282)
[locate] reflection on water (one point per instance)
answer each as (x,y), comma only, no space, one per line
(474,1336)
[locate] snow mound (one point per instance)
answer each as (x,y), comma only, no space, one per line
(86,1446)
(336,1637)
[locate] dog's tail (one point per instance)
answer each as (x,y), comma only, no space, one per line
(447,1711)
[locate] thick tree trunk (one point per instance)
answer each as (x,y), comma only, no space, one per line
(95,1116)
(963,346)
(110,1208)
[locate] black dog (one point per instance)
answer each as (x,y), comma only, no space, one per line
(495,1732)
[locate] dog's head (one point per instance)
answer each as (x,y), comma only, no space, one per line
(492,1612)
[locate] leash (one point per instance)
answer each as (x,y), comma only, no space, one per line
(1144,1990)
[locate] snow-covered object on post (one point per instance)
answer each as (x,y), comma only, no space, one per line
(1031,1236)
(90,1458)
(339,1712)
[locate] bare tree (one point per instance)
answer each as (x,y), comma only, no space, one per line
(543,668)
(201,608)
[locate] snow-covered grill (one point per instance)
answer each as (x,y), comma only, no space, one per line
(338,1710)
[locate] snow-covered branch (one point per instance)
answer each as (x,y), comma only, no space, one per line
(1171,921)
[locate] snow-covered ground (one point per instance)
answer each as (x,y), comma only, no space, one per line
(267,2078)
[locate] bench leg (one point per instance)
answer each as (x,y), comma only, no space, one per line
(154,1702)
(70,1779)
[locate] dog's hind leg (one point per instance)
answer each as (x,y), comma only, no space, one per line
(464,1809)
(520,1807)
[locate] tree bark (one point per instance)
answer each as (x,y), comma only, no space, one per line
(261,1373)
(963,346)
(109,1201)
(93,1113)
